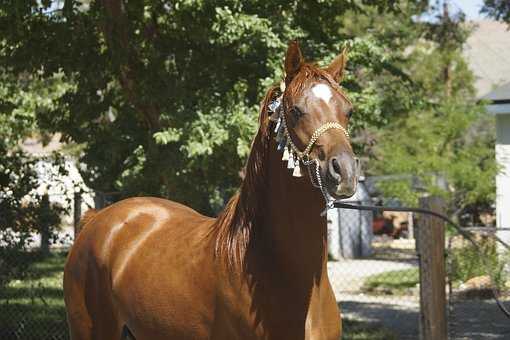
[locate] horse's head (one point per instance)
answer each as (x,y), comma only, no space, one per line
(315,117)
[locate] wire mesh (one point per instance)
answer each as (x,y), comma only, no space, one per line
(374,270)
(473,276)
(31,291)
(31,301)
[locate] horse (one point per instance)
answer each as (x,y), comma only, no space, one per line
(150,268)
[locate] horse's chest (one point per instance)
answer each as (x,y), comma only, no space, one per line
(258,314)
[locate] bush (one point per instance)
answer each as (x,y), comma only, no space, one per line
(22,212)
(469,261)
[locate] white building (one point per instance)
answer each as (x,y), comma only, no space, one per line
(488,53)
(350,231)
(500,107)
(60,188)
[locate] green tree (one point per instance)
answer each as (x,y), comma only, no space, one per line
(445,145)
(162,96)
(22,211)
(498,9)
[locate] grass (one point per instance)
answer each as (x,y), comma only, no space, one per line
(357,330)
(33,307)
(396,282)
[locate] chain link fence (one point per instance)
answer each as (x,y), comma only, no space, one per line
(377,267)
(31,270)
(473,277)
(374,270)
(32,302)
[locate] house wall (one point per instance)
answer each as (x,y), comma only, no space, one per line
(503,177)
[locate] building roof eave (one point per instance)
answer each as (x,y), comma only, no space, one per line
(499,108)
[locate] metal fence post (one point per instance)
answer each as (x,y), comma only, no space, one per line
(77,213)
(99,200)
(45,224)
(430,247)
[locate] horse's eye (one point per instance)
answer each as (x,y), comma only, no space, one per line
(297,112)
(349,113)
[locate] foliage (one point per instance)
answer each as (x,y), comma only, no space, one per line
(22,210)
(469,261)
(395,282)
(163,96)
(498,9)
(17,179)
(444,146)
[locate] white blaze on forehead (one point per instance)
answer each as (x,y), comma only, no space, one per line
(322,91)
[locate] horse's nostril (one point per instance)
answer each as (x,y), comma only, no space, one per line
(336,165)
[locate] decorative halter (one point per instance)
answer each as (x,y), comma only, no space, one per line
(291,152)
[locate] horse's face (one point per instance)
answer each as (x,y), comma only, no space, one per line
(312,99)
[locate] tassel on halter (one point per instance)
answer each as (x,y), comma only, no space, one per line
(290,164)
(286,154)
(297,169)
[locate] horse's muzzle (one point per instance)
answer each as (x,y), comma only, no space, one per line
(342,175)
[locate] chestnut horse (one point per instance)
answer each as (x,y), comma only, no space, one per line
(149,268)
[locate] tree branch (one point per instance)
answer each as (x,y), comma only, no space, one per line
(115,27)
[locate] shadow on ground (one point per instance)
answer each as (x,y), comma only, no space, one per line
(477,320)
(32,303)
(401,322)
(468,320)
(31,322)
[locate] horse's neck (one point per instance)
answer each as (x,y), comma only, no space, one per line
(292,224)
(274,224)
(275,227)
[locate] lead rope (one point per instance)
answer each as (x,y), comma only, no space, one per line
(327,199)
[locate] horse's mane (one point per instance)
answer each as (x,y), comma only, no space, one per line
(234,226)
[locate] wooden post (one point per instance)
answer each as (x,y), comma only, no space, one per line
(430,248)
(77,213)
(410,225)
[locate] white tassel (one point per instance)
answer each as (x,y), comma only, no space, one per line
(290,164)
(297,170)
(285,156)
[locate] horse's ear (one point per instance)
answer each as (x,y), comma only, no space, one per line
(293,61)
(337,67)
